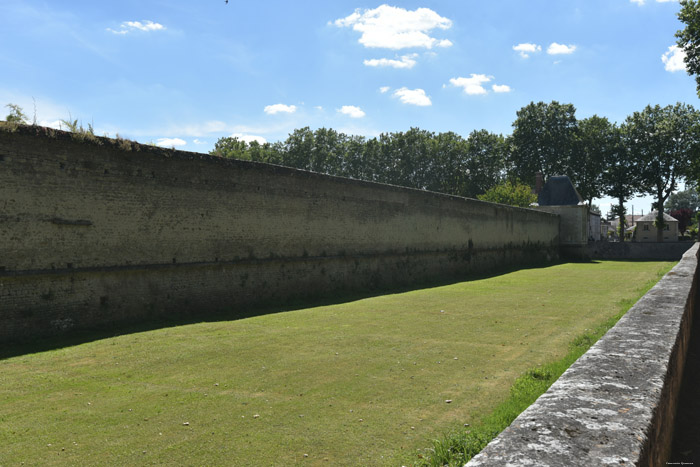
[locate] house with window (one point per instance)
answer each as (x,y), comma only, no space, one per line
(630,223)
(645,230)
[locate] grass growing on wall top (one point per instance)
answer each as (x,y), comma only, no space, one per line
(360,383)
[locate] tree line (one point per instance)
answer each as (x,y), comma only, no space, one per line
(648,154)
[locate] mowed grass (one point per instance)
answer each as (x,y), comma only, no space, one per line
(358,383)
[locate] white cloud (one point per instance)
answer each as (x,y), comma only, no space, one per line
(170,142)
(395,28)
(130,26)
(55,124)
(674,59)
(384,89)
(560,49)
(526,49)
(500,88)
(277,108)
(406,61)
(413,97)
(352,111)
(642,2)
(249,138)
(472,85)
(200,142)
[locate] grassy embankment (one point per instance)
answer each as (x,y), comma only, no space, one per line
(360,383)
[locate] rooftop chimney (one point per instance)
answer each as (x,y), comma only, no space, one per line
(539,183)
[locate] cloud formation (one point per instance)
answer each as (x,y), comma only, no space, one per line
(526,49)
(642,2)
(674,59)
(390,27)
(406,61)
(249,138)
(351,111)
(131,26)
(560,49)
(280,108)
(384,89)
(472,85)
(170,142)
(413,97)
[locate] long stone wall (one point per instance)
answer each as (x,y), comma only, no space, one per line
(666,251)
(616,405)
(96,233)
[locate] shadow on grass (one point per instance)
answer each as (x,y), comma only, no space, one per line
(77,337)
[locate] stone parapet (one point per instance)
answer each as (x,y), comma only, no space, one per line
(616,404)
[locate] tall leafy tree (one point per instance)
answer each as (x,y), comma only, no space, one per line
(485,162)
(512,193)
(620,176)
(684,218)
(297,149)
(686,199)
(450,165)
(543,140)
(231,147)
(328,151)
(662,140)
(266,152)
(356,163)
(595,141)
(689,37)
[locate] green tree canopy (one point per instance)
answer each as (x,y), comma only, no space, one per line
(485,163)
(231,147)
(687,199)
(445,162)
(662,140)
(619,178)
(543,140)
(512,193)
(689,37)
(595,143)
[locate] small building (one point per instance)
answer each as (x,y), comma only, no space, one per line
(630,223)
(559,196)
(645,230)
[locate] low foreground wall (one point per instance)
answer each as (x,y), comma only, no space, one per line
(616,405)
(105,231)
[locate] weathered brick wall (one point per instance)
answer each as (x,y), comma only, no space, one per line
(95,233)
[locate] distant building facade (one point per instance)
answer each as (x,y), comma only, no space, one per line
(645,230)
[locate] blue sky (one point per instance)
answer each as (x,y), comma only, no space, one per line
(183,74)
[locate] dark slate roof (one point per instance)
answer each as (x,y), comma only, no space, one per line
(559,191)
(651,217)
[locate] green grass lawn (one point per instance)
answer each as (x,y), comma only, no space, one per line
(359,383)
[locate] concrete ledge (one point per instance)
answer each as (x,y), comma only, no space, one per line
(616,404)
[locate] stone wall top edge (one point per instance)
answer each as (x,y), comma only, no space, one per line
(602,407)
(33,135)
